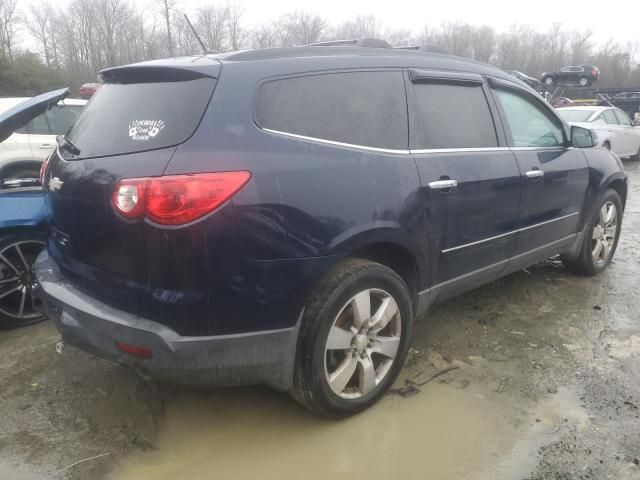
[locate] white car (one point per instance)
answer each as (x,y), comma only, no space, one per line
(614,128)
(22,153)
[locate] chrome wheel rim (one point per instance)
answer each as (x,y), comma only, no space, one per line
(17,279)
(362,344)
(604,233)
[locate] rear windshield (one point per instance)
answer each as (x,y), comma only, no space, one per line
(133,117)
(574,115)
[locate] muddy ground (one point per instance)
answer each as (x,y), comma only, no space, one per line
(547,386)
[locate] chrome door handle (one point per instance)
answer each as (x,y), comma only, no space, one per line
(534,174)
(443,184)
(45,145)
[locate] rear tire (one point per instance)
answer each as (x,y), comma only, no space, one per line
(354,338)
(548,81)
(584,82)
(601,236)
(18,251)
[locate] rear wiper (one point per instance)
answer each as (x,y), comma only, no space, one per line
(67,145)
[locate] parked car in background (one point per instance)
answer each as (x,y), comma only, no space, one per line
(529,80)
(87,90)
(628,102)
(558,102)
(22,237)
(582,75)
(23,151)
(23,228)
(270,216)
(614,128)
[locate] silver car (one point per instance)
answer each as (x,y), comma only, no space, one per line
(614,128)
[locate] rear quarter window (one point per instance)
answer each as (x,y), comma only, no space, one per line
(133,117)
(359,108)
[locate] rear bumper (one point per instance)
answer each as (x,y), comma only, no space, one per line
(265,357)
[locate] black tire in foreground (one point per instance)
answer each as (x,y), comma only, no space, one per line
(601,236)
(18,252)
(354,338)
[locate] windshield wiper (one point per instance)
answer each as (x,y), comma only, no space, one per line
(67,145)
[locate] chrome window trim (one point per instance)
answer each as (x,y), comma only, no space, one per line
(335,143)
(419,151)
(462,150)
(523,229)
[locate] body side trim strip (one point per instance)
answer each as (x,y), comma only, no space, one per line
(452,249)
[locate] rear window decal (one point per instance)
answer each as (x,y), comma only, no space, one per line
(145,130)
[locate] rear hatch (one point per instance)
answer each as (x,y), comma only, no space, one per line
(129,129)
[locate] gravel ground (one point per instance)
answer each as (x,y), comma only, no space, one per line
(543,382)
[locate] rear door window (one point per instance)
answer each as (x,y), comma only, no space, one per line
(61,117)
(530,123)
(452,116)
(609,117)
(359,108)
(622,117)
(134,116)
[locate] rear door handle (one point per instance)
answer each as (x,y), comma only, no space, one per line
(535,173)
(443,184)
(45,146)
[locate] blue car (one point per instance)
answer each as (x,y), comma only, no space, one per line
(22,224)
(282,216)
(22,238)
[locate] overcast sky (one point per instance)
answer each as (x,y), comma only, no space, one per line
(578,14)
(617,19)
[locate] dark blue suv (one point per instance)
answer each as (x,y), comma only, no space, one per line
(281,216)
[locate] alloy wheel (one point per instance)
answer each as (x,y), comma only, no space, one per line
(362,344)
(17,279)
(604,233)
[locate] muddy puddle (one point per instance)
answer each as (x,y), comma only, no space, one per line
(443,432)
(256,433)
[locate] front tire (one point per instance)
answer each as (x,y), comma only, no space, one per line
(354,338)
(601,236)
(548,81)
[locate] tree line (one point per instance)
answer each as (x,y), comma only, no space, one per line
(43,46)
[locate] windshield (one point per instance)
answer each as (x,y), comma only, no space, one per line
(574,115)
(133,117)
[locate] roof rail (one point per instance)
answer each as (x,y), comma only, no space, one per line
(427,47)
(366,42)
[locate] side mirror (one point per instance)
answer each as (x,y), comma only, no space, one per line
(583,137)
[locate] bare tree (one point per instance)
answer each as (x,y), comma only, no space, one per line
(236,33)
(581,45)
(167,11)
(484,41)
(302,28)
(39,24)
(211,24)
(360,26)
(265,36)
(9,21)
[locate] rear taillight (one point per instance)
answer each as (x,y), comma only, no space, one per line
(43,170)
(176,199)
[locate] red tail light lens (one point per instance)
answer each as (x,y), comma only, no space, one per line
(176,199)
